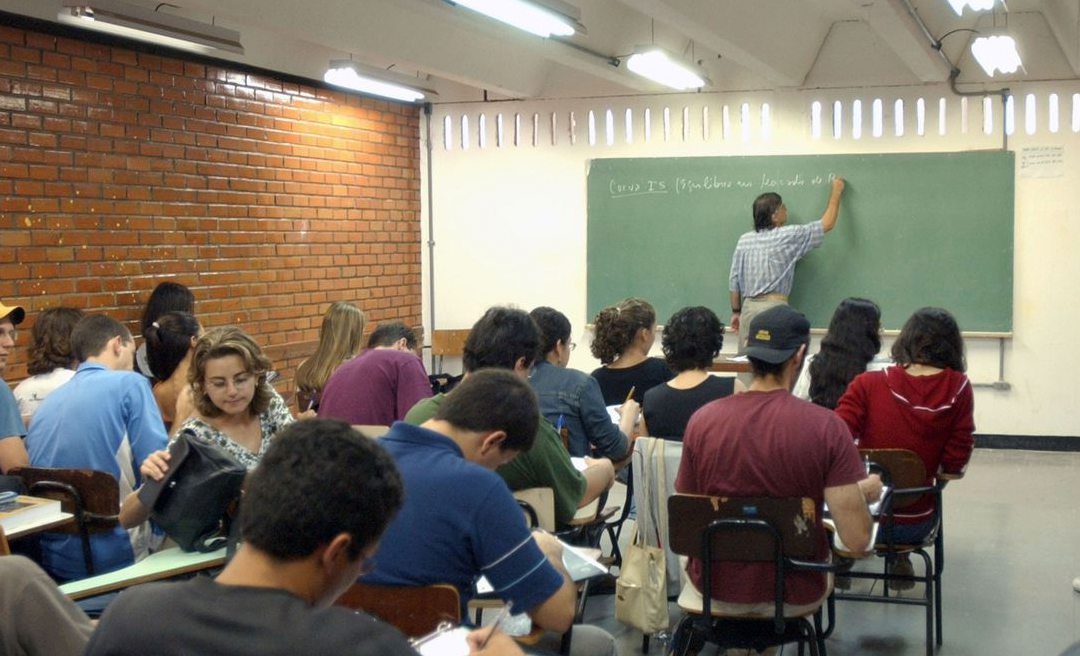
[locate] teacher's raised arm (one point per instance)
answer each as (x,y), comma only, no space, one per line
(763,265)
(828,219)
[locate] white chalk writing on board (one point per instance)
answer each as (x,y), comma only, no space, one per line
(685,185)
(1042,162)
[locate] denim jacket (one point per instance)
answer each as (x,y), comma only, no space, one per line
(575,396)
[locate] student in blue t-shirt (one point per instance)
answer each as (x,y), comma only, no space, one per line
(459,520)
(104,418)
(12,451)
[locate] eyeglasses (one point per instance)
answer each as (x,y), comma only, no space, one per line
(367,567)
(573,345)
(9,332)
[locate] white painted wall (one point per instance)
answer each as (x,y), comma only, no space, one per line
(510,223)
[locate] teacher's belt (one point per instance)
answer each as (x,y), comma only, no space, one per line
(771,296)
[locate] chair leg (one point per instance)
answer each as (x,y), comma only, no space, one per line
(928,578)
(819,635)
(645,643)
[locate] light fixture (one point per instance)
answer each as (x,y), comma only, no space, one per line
(134,22)
(661,66)
(368,79)
(976,5)
(543,18)
(996,52)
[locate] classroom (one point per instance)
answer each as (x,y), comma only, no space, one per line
(272,193)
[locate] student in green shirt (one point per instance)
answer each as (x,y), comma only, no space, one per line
(506,338)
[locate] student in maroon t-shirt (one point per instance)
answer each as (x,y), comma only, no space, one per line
(766,442)
(381,384)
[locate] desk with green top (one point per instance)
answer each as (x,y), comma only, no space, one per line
(155,567)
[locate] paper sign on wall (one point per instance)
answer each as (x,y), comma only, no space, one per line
(1042,162)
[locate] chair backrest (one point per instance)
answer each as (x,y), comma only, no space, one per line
(414,610)
(449,342)
(5,550)
(542,502)
(689,516)
(900,469)
(95,493)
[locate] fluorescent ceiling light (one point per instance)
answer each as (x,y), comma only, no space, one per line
(546,18)
(660,66)
(351,75)
(976,5)
(134,22)
(996,52)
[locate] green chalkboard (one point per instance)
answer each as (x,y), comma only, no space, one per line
(914,229)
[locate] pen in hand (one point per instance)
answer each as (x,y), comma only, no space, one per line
(630,394)
(495,625)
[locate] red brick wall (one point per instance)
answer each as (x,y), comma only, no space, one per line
(270,199)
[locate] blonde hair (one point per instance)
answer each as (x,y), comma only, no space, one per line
(222,342)
(616,327)
(339,338)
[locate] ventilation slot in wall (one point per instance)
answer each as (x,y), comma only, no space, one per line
(447,132)
(856,119)
(766,122)
(876,118)
(1052,119)
(629,126)
(837,119)
(705,123)
(648,124)
(1030,118)
(464,132)
(898,117)
(815,119)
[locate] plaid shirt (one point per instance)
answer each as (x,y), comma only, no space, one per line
(764,262)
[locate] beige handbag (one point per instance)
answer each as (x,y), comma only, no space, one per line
(641,589)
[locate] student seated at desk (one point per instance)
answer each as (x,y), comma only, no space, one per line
(381,384)
(170,342)
(849,348)
(623,334)
(571,399)
(104,418)
(168,296)
(765,442)
(923,404)
(236,410)
(459,520)
(311,518)
(50,362)
(340,333)
(692,339)
(506,338)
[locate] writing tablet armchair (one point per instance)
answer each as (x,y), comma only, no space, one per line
(91,496)
(780,532)
(905,472)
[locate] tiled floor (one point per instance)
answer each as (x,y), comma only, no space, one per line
(1013,529)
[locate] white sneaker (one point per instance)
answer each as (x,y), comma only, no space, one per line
(1076,584)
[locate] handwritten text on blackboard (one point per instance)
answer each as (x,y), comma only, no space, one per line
(680,185)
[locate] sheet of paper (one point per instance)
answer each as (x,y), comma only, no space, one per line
(444,643)
(579,464)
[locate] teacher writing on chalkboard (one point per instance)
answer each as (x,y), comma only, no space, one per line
(763,266)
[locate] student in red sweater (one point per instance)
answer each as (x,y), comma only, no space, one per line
(923,404)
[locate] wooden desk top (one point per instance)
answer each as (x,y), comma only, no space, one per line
(161,565)
(725,364)
(47,523)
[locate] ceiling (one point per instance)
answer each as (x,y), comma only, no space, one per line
(742,44)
